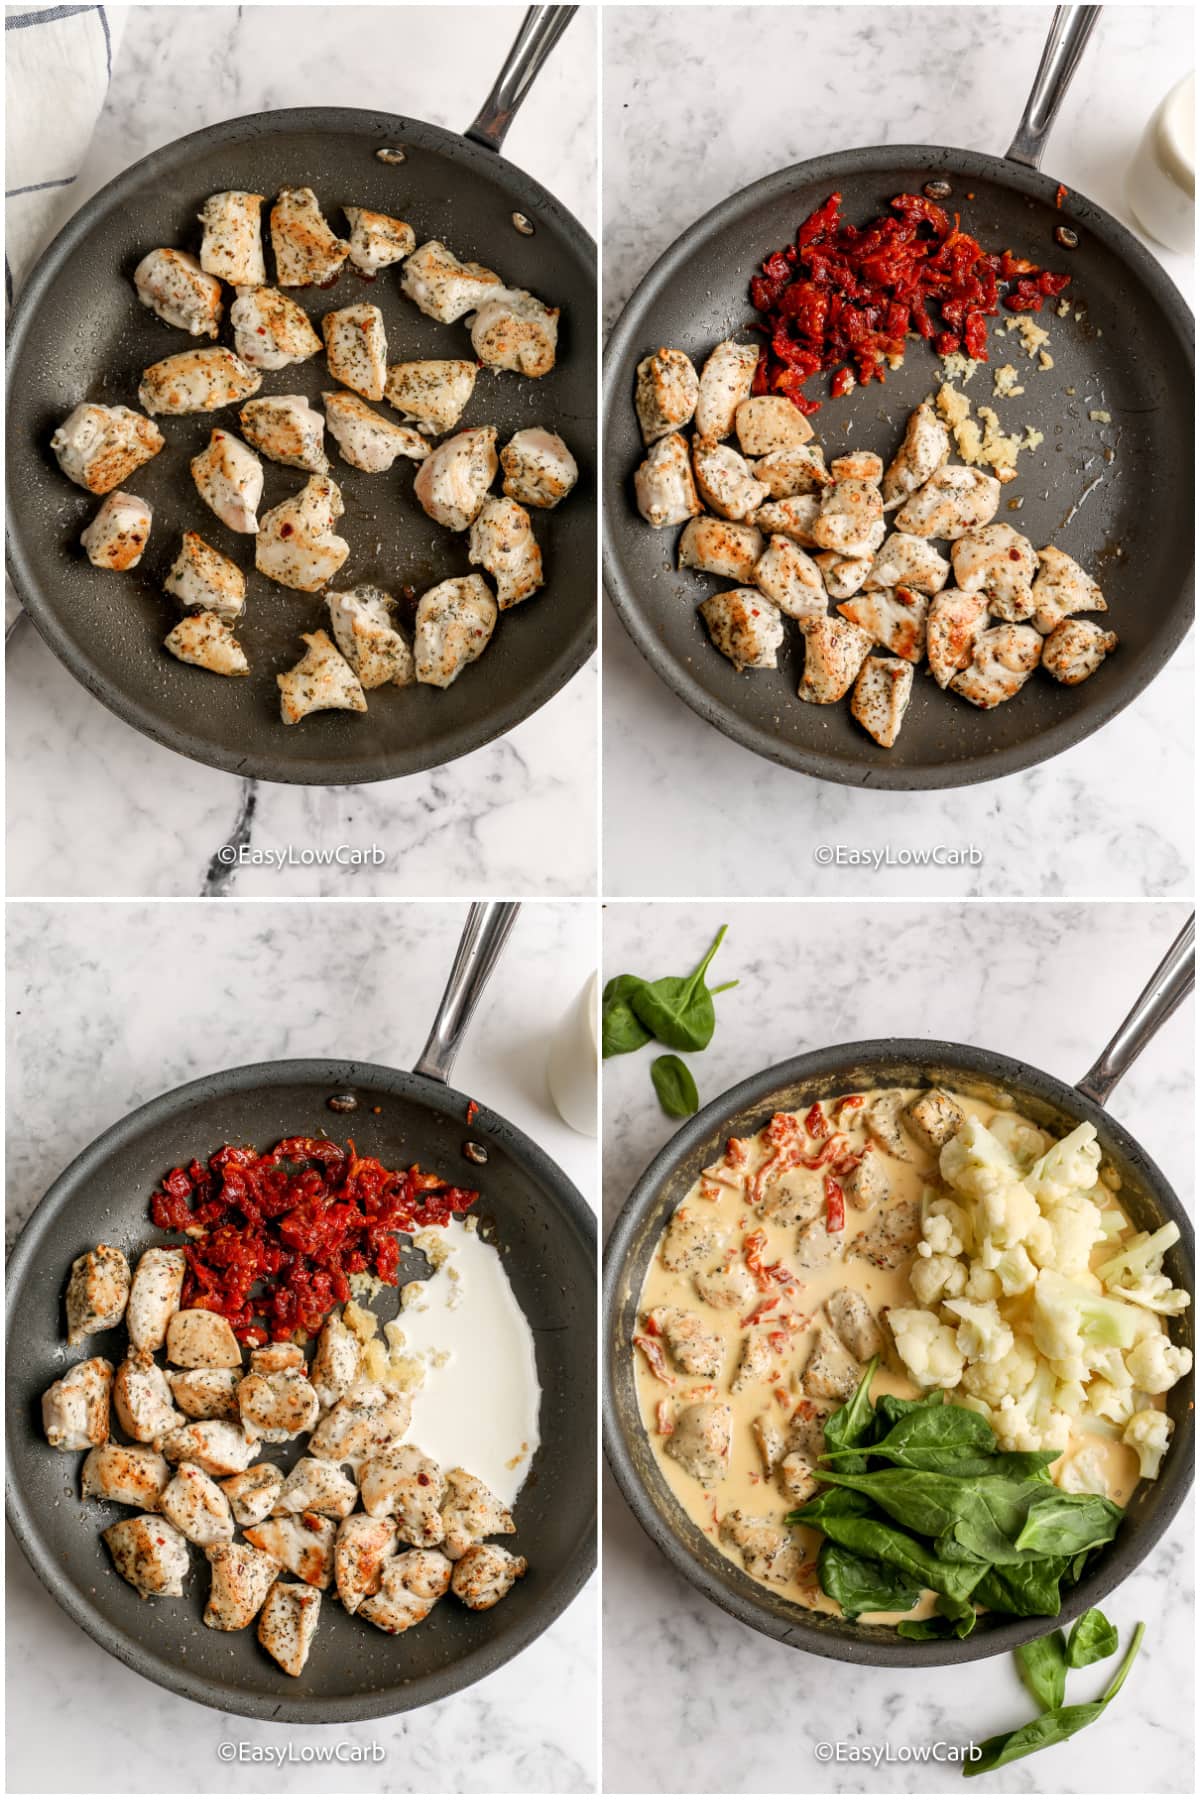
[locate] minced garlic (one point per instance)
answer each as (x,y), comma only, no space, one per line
(1045,360)
(1101,418)
(411,1292)
(1005,382)
(959,367)
(984,442)
(433,1244)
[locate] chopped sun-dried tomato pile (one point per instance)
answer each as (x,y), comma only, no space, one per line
(275,1237)
(845,297)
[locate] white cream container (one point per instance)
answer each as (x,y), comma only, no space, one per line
(1161,184)
(574,1062)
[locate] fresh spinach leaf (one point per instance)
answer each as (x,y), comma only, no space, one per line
(852,1425)
(674,1086)
(883,1542)
(1026,1590)
(620,1028)
(984,1514)
(921,1630)
(1092,1639)
(859,1584)
(678,1009)
(938,1438)
(1060,1524)
(1053,1727)
(1042,1666)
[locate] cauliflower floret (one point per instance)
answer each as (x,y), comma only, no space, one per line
(1018,1426)
(1006,1378)
(1070,1397)
(1149,1432)
(977,1164)
(1156,1364)
(1083,1473)
(1070,1321)
(1024,1142)
(982,1335)
(933,1278)
(1014,1271)
(927,1347)
(1110,1400)
(945,1226)
(1156,1294)
(1010,1215)
(1070,1167)
(1076,1226)
(982,1283)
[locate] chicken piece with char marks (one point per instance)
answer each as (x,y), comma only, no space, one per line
(502,542)
(514,330)
(307,252)
(882,691)
(454,626)
(119,532)
(664,484)
(443,287)
(725,381)
(365,632)
(197,381)
(745,626)
(453,481)
(270,329)
(721,547)
(356,349)
(668,389)
(322,681)
(539,470)
(206,641)
(75,1408)
(377,240)
(229,480)
(296,543)
(366,439)
(433,395)
(174,287)
(232,247)
(99,447)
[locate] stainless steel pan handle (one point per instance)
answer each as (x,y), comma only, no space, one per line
(1167,988)
(484,936)
(1072,27)
(540,30)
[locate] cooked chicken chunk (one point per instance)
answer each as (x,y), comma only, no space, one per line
(175,288)
(769,1552)
(755,1362)
(200,1339)
(443,287)
(229,479)
(850,1314)
(1001,564)
(322,681)
(1075,649)
(787,473)
(745,626)
(366,439)
(1061,588)
(363,1547)
(452,483)
(470,1513)
(125,1475)
(769,422)
(867,1184)
(539,470)
(118,533)
(484,1574)
(287,1624)
(796,1478)
(336,1364)
(890,1238)
(881,695)
(663,484)
(278,1407)
(816,1245)
(794,1197)
(770,1441)
(729,1290)
(502,542)
(954,625)
(377,241)
(301,1542)
(97,1292)
(834,652)
(701,1440)
(432,394)
(1005,657)
(934,1118)
(365,1422)
(75,1408)
(695,1349)
(793,518)
(911,562)
(850,511)
(515,330)
(242,1578)
(410,1588)
(925,448)
(206,1393)
(885,1119)
(296,543)
(843,575)
(154,1296)
(232,246)
(217,1445)
(790,578)
(367,637)
(197,381)
(356,349)
(307,252)
(319,1487)
(206,641)
(725,382)
(270,330)
(455,622)
(288,430)
(150,1554)
(895,618)
(99,447)
(406,1484)
(719,547)
(830,1373)
(724,481)
(195,1505)
(143,1401)
(253,1493)
(857,465)
(204,581)
(952,502)
(668,389)
(690,1239)
(272,1359)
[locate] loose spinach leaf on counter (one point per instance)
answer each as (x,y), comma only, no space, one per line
(1042,1666)
(678,1009)
(859,1584)
(1092,1639)
(674,1086)
(1053,1727)
(620,1028)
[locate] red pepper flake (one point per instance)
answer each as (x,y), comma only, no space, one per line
(472,1111)
(1060,195)
(835,1206)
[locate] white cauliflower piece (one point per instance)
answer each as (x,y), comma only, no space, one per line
(933,1278)
(1071,1166)
(1008,1377)
(1019,1425)
(1014,1271)
(1155,1293)
(1156,1364)
(945,1226)
(982,1283)
(1148,1432)
(927,1347)
(1084,1473)
(982,1335)
(1076,1226)
(977,1164)
(1024,1142)
(1109,1400)
(1070,1321)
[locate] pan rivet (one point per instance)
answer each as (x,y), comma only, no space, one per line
(391,155)
(475,1152)
(1066,237)
(523,225)
(342,1103)
(937,190)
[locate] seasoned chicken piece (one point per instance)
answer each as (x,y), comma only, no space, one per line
(911,562)
(232,246)
(150,1554)
(806,1433)
(834,652)
(197,381)
(443,287)
(830,1373)
(850,511)
(696,1350)
(278,1407)
(287,1625)
(770,1441)
(288,430)
(719,547)
(690,1239)
(356,349)
(270,330)
(253,1493)
(843,575)
(745,627)
(796,1477)
(1001,564)
(97,1292)
(470,1513)
(219,1446)
(377,241)
(366,439)
(452,483)
(119,532)
(725,381)
(934,1118)
(200,1339)
(273,1359)
(175,288)
(484,1574)
(322,681)
(755,1362)
(1005,657)
(75,1408)
(204,581)
(365,1422)
(367,637)
(729,1290)
(769,422)
(867,1184)
(952,502)
(1061,588)
(663,484)
(769,1553)
(319,1487)
(98,447)
(206,1393)
(881,695)
(795,1197)
(816,1245)
(890,1238)
(301,1542)
(857,465)
(502,542)
(455,622)
(142,1397)
(307,252)
(242,1578)
(1075,649)
(895,618)
(336,1364)
(790,578)
(229,479)
(792,518)
(701,1440)
(787,473)
(668,389)
(363,1547)
(885,1119)
(854,1323)
(925,448)
(154,1296)
(195,1505)
(955,623)
(515,330)
(296,543)
(410,1587)
(724,481)
(125,1475)
(433,394)
(206,641)
(539,470)
(406,1484)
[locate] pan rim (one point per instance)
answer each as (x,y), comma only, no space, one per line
(1046,744)
(128,706)
(154,1666)
(994,1066)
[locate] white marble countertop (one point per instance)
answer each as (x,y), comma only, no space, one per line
(685,807)
(94,807)
(97,1030)
(695,1701)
